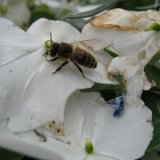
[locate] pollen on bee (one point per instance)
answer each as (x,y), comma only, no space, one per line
(48,44)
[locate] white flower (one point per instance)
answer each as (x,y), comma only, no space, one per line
(42,117)
(30,91)
(133,37)
(90,132)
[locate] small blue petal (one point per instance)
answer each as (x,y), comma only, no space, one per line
(118,105)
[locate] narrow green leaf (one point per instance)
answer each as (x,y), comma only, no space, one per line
(151,156)
(107,5)
(110,52)
(8,155)
(107,91)
(101,87)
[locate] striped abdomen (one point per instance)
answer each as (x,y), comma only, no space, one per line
(84,58)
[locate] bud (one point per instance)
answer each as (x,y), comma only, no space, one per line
(89,147)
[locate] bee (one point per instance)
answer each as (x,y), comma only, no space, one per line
(70,53)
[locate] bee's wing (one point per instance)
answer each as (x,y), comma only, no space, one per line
(91,44)
(84,56)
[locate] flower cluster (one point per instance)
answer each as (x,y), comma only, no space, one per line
(44,115)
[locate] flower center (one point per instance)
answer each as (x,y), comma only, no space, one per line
(89,147)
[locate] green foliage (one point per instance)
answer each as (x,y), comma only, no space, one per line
(107,5)
(151,156)
(152,100)
(153,73)
(107,91)
(41,11)
(7,155)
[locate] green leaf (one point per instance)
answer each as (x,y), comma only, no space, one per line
(101,87)
(107,91)
(155,144)
(151,156)
(40,11)
(152,101)
(8,155)
(156,57)
(107,5)
(153,73)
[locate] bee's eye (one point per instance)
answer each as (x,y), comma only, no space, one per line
(54,49)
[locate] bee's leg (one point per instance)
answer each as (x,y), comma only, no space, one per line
(79,68)
(61,66)
(45,54)
(54,59)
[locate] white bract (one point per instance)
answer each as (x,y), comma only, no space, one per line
(133,37)
(90,132)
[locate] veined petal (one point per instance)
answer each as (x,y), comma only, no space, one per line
(133,67)
(31,95)
(120,41)
(61,31)
(126,137)
(100,157)
(30,144)
(14,42)
(125,20)
(79,116)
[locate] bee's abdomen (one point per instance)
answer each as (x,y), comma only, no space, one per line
(84,58)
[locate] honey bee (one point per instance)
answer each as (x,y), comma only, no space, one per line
(69,52)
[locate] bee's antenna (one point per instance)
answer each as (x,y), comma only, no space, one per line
(51,36)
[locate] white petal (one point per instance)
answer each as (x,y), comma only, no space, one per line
(100,157)
(31,95)
(122,42)
(14,42)
(30,144)
(125,20)
(99,74)
(126,137)
(61,31)
(79,116)
(133,67)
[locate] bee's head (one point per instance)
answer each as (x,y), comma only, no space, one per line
(48,45)
(51,47)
